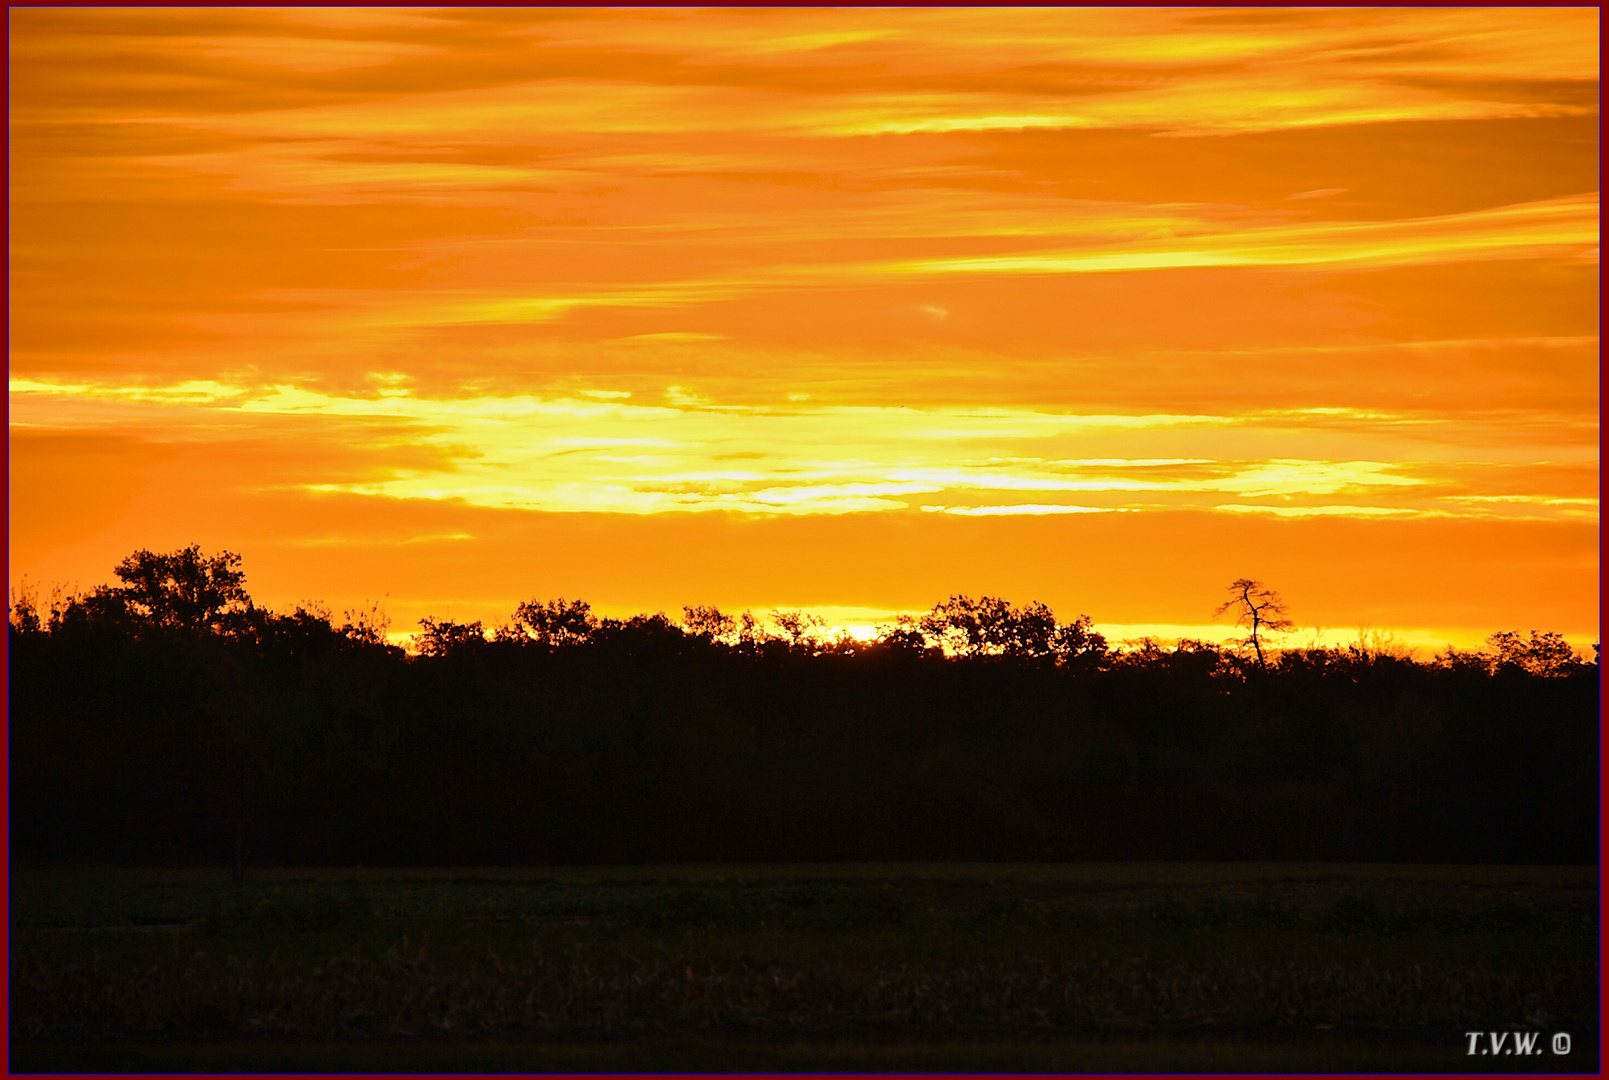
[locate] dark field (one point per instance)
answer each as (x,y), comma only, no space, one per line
(1136,967)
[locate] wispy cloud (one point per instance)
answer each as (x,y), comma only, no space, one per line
(583,454)
(1559,227)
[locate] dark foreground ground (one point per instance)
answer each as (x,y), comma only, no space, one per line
(1111,968)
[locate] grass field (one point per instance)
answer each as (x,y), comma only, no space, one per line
(1131,967)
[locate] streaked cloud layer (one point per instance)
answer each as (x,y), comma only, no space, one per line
(1096,271)
(568,454)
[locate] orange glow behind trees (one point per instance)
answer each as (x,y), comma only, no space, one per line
(835,310)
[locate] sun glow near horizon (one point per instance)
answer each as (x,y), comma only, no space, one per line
(830,625)
(841,310)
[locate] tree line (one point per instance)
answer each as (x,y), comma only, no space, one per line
(169,719)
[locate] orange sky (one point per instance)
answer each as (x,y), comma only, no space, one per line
(837,309)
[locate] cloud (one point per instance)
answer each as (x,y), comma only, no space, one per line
(309,55)
(1556,227)
(589,454)
(1016,509)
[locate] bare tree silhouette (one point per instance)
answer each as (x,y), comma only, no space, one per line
(1259,607)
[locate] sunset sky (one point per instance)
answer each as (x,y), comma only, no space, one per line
(844,310)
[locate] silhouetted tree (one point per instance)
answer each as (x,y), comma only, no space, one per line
(961,625)
(656,632)
(1027,631)
(990,626)
(22,612)
(1462,662)
(184,589)
(367,625)
(751,633)
(799,626)
(903,634)
(1080,641)
(708,623)
(557,622)
(443,637)
(1544,654)
(1257,607)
